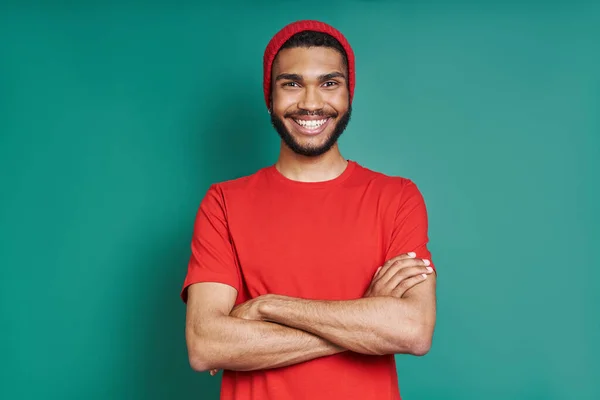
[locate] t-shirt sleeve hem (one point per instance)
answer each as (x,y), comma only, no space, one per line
(207,277)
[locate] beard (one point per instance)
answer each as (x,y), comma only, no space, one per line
(311,151)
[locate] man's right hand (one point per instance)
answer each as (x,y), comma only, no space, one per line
(398,275)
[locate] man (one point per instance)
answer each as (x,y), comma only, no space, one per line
(309,275)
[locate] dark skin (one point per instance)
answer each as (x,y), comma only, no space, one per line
(310,81)
(313,81)
(395,278)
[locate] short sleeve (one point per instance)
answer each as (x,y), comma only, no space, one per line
(410,232)
(212,258)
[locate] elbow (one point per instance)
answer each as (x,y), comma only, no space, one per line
(198,363)
(420,347)
(421,341)
(417,344)
(199,354)
(207,349)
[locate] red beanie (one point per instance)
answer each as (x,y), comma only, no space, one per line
(290,30)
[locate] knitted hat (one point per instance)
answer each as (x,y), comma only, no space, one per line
(290,30)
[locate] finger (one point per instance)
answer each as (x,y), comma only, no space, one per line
(407,284)
(404,256)
(388,280)
(398,266)
(408,273)
(391,262)
(376,274)
(213,372)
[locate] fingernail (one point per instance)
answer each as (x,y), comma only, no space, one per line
(424,276)
(429,269)
(412,254)
(427,262)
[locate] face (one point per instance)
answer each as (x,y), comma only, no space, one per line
(310,99)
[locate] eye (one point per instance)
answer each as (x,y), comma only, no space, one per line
(290,84)
(330,84)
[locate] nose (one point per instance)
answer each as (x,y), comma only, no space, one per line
(311,99)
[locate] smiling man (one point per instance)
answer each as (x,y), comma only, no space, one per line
(308,276)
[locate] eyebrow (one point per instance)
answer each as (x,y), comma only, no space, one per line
(321,78)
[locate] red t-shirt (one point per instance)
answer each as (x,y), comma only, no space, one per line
(265,233)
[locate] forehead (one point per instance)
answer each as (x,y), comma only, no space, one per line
(308,61)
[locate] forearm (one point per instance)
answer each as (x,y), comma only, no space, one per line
(374,325)
(243,345)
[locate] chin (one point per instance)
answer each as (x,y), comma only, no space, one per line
(309,148)
(314,141)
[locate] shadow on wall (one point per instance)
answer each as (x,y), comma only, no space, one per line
(225,142)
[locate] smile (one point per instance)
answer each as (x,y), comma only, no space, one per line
(311,124)
(311,127)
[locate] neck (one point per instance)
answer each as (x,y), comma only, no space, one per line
(325,167)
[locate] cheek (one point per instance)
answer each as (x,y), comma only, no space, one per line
(339,101)
(283,100)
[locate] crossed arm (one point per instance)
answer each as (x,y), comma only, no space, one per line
(217,340)
(396,315)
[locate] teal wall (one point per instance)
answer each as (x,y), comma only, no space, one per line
(116,116)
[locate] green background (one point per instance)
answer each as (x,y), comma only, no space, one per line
(116,116)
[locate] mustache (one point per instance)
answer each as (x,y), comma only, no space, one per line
(304,113)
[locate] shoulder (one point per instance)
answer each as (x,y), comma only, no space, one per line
(400,193)
(239,185)
(223,195)
(397,191)
(384,182)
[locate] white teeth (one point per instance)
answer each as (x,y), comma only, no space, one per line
(312,124)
